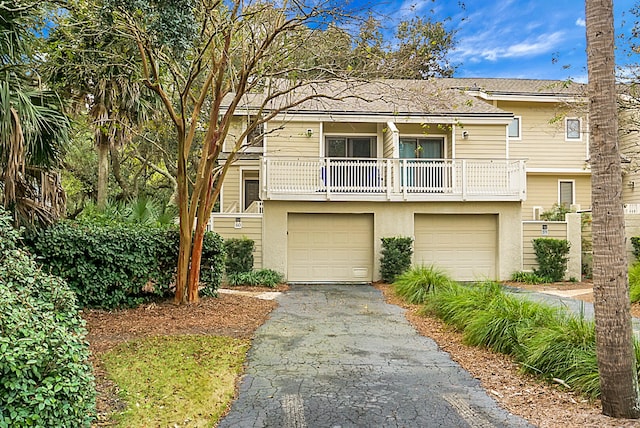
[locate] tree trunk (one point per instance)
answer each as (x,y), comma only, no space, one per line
(103,170)
(616,358)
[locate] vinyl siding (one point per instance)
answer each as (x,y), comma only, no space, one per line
(292,139)
(232,187)
(483,142)
(533,230)
(387,138)
(542,140)
(349,128)
(629,148)
(251,228)
(542,191)
(235,130)
(632,228)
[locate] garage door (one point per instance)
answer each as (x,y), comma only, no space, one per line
(464,245)
(330,247)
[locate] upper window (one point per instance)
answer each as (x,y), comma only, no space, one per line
(565,193)
(343,147)
(514,128)
(573,129)
(255,138)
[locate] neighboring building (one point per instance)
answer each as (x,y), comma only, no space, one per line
(458,164)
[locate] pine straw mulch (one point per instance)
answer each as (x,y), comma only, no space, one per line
(227,315)
(542,404)
(238,316)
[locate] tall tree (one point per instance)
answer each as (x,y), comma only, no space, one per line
(614,345)
(33,130)
(220,57)
(97,70)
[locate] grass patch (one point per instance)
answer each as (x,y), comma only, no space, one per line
(175,380)
(415,285)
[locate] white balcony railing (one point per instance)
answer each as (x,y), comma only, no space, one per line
(392,179)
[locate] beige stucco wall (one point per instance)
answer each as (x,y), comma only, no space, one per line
(251,227)
(394,219)
(569,230)
(542,191)
(542,140)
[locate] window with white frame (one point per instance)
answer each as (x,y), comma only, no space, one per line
(349,147)
(255,138)
(572,129)
(566,194)
(515,128)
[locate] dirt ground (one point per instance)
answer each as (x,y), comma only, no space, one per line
(238,316)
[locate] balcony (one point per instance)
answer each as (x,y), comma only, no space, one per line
(348,179)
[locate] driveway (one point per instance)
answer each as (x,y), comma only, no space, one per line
(339,356)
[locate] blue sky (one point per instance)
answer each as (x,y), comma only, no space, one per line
(539,39)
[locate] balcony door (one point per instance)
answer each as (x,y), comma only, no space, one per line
(351,169)
(353,147)
(423,175)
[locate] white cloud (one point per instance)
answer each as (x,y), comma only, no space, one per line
(492,48)
(581,22)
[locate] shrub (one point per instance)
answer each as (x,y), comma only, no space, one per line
(634,282)
(239,255)
(211,269)
(635,242)
(120,265)
(45,376)
(262,277)
(528,278)
(396,257)
(415,284)
(556,213)
(552,255)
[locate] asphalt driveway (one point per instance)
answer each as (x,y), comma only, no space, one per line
(339,356)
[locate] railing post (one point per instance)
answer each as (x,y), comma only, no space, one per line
(264,178)
(328,177)
(523,180)
(388,173)
(464,179)
(403,170)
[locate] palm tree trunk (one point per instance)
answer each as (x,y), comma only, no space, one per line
(614,345)
(103,170)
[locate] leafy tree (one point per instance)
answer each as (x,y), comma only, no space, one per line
(97,70)
(216,55)
(614,344)
(33,130)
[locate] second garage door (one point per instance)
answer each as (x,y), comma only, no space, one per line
(465,245)
(330,247)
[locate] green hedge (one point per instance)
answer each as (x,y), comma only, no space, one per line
(635,242)
(120,265)
(239,255)
(46,379)
(396,257)
(552,256)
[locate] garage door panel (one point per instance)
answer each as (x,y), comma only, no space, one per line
(330,247)
(464,245)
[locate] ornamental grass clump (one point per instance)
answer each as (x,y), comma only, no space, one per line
(564,350)
(457,304)
(415,285)
(634,282)
(260,278)
(497,325)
